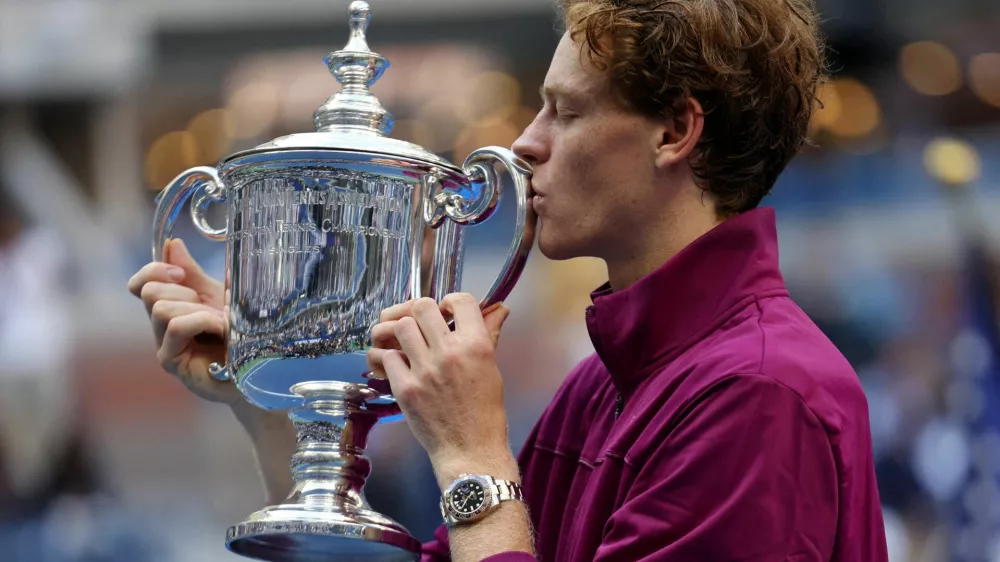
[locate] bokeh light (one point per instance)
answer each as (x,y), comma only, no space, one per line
(438,125)
(952,161)
(168,156)
(213,134)
(488,132)
(859,113)
(848,110)
(930,68)
(984,77)
(829,107)
(493,94)
(254,108)
(303,96)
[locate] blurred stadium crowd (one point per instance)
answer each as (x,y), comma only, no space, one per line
(890,227)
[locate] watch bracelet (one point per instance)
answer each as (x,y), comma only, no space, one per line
(507,491)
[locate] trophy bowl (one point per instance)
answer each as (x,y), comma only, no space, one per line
(325,230)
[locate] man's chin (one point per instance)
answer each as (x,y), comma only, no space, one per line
(557,250)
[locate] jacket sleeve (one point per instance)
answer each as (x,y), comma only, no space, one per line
(746,474)
(438,550)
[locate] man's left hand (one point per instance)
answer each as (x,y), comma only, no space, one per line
(447,383)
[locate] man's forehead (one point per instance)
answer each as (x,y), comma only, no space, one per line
(572,71)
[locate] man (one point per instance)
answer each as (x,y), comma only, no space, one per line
(715,421)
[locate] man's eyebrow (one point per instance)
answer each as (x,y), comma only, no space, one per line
(551,91)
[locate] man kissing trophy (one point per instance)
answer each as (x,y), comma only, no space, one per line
(324,231)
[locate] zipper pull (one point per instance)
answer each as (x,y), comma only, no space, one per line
(619,406)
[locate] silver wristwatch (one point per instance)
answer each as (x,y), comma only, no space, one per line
(471,497)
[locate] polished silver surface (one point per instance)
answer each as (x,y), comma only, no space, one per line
(319,244)
(353,141)
(324,231)
(478,205)
(326,517)
(356,67)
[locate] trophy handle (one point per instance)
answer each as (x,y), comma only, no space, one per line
(203,186)
(479,168)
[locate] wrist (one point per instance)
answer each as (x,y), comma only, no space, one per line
(257,421)
(499,464)
(273,438)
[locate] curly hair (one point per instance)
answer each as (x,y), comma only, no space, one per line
(754,66)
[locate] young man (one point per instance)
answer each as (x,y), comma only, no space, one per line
(715,421)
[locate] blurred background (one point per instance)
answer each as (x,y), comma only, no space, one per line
(889,230)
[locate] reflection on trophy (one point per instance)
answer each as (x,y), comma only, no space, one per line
(324,231)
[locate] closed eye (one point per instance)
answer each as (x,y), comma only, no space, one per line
(564,114)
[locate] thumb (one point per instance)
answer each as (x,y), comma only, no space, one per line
(494,320)
(194,276)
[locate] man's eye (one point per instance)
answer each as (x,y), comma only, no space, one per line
(565,114)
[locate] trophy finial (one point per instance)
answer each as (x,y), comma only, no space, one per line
(356,67)
(361,16)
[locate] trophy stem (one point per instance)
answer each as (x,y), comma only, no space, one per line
(329,467)
(326,516)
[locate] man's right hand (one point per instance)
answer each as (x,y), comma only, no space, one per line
(186,308)
(188,311)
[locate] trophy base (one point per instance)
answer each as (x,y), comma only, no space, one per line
(295,533)
(326,517)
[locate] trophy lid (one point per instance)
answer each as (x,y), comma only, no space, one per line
(353,119)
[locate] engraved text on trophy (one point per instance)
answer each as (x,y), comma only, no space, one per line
(327,249)
(293,217)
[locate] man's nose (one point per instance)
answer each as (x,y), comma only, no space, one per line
(529,146)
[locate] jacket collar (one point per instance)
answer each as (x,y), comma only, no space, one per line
(637,329)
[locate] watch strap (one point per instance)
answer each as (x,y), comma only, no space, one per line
(507,490)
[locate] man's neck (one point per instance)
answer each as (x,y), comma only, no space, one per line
(657,246)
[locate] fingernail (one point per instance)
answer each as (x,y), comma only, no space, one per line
(175,273)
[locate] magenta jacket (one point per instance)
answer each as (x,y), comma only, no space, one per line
(715,423)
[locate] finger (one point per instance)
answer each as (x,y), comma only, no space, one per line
(195,277)
(183,329)
(165,312)
(412,342)
(155,271)
(375,359)
(396,312)
(399,374)
(464,308)
(155,291)
(384,335)
(432,325)
(494,321)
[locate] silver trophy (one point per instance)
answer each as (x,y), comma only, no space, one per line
(324,231)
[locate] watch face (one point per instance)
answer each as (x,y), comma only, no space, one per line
(468,498)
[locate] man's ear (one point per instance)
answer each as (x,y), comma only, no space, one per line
(680,133)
